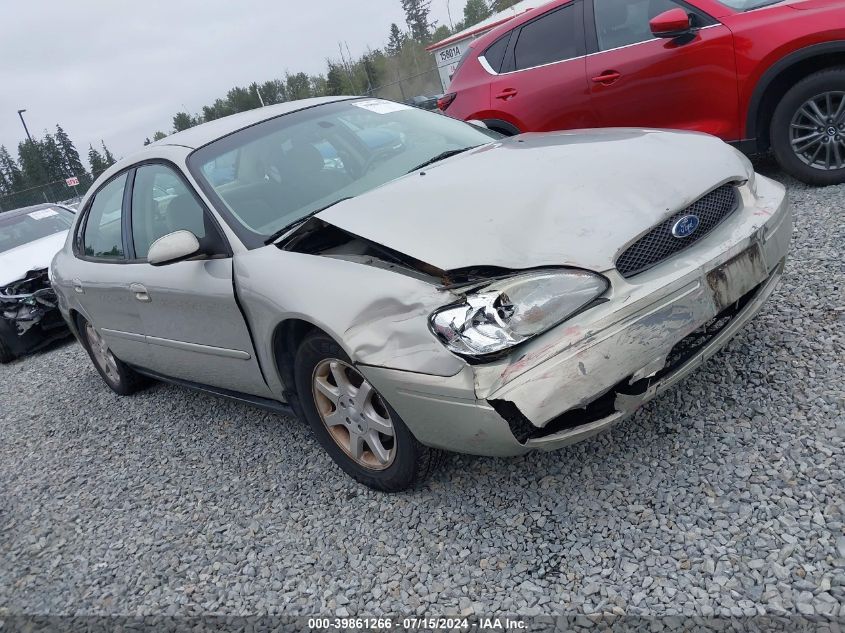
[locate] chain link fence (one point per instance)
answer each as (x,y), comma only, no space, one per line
(52,192)
(405,89)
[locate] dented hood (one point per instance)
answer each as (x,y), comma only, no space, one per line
(37,255)
(567,198)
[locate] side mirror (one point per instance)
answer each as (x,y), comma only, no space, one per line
(173,247)
(671,24)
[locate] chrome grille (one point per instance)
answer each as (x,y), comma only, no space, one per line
(659,243)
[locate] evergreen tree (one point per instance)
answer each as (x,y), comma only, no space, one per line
(273,92)
(73,164)
(53,160)
(298,86)
(32,165)
(12,176)
(107,155)
(318,85)
(98,163)
(501,5)
(158,136)
(475,11)
(416,15)
(147,141)
(337,81)
(442,32)
(396,40)
(183,121)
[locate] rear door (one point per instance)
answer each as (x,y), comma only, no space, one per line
(541,82)
(98,272)
(637,80)
(193,325)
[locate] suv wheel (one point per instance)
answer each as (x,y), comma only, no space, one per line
(353,422)
(808,129)
(119,376)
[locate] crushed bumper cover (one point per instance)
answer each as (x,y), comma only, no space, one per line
(598,369)
(29,315)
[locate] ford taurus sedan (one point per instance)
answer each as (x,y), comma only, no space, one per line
(464,292)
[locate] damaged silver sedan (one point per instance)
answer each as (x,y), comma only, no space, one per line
(458,292)
(29,314)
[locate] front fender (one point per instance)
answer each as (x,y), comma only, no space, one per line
(378,317)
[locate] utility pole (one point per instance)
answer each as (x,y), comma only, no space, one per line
(25,129)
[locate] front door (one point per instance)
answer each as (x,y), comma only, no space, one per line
(193,325)
(540,84)
(638,80)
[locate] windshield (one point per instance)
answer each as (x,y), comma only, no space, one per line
(274,174)
(747,5)
(21,228)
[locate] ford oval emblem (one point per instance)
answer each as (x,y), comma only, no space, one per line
(686,226)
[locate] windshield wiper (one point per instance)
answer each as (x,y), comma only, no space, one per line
(441,156)
(303,220)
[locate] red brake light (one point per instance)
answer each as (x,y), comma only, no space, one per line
(446,100)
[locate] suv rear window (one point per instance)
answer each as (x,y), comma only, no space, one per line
(548,39)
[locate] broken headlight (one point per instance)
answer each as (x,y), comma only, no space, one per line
(511,311)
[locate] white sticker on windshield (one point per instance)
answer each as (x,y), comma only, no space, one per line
(43,214)
(381,107)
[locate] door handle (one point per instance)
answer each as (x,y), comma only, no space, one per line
(507,93)
(140,293)
(77,287)
(608,77)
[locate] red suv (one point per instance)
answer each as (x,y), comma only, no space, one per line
(755,73)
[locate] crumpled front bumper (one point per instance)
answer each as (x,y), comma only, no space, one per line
(29,314)
(600,367)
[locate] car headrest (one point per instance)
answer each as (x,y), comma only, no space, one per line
(184,213)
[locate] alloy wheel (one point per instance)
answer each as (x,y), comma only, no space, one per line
(817,131)
(354,414)
(102,354)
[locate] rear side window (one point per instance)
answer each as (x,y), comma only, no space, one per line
(103,236)
(550,38)
(495,53)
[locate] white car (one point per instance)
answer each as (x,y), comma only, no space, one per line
(29,317)
(465,292)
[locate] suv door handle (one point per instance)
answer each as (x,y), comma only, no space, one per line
(77,287)
(507,93)
(608,77)
(140,292)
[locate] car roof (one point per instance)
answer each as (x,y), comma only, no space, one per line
(205,133)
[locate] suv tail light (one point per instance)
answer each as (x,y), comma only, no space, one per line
(446,100)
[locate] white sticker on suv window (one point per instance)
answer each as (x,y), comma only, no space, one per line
(43,214)
(381,107)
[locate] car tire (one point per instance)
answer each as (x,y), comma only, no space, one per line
(117,375)
(6,355)
(789,113)
(400,462)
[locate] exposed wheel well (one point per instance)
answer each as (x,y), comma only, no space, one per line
(780,85)
(286,339)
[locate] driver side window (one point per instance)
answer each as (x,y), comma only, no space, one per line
(624,22)
(161,204)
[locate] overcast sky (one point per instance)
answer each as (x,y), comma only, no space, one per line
(119,71)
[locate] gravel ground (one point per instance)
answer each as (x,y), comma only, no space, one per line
(723,496)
